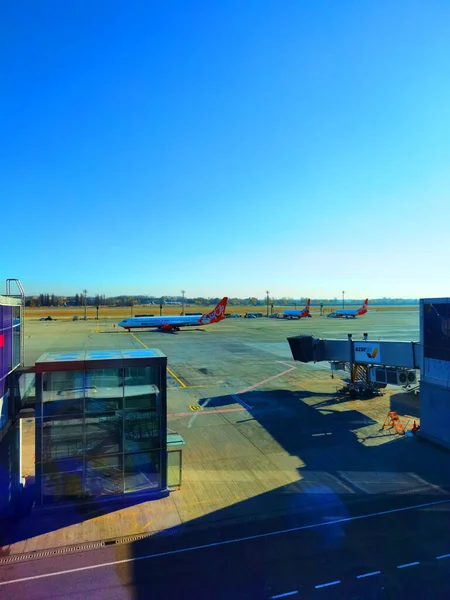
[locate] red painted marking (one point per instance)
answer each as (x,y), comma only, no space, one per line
(252,387)
(2,340)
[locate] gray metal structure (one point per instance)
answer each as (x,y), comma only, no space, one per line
(435,370)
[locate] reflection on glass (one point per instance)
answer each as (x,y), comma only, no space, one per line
(103,390)
(105,482)
(63,393)
(141,388)
(104,476)
(62,438)
(141,431)
(62,465)
(141,471)
(103,435)
(62,486)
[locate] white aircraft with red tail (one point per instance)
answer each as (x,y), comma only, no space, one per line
(174,323)
(350,313)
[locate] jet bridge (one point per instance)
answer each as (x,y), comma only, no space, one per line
(406,355)
(371,364)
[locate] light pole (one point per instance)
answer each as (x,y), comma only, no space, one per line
(267,292)
(182,301)
(343,302)
(85,296)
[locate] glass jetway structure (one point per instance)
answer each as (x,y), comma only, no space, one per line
(101,421)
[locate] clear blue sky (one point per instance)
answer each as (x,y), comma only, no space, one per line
(226,147)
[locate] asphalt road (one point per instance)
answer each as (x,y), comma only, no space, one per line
(401,554)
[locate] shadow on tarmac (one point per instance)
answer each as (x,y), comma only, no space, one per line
(338,475)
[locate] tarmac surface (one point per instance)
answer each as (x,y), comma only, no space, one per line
(287,489)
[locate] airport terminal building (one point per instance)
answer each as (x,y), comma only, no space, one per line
(11,357)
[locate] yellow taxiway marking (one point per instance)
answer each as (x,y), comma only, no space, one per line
(189,387)
(168,370)
(175,377)
(195,407)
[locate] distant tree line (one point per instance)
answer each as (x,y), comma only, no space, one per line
(102,300)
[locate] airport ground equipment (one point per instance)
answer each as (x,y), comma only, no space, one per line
(371,365)
(392,421)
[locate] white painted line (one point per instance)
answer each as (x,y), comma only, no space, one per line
(408,565)
(244,404)
(368,574)
(442,556)
(293,593)
(226,542)
(328,584)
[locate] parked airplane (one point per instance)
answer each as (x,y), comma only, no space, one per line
(350,313)
(173,323)
(297,314)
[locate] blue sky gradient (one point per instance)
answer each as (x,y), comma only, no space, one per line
(226,148)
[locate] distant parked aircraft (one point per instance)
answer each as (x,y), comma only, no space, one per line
(349,313)
(173,323)
(297,314)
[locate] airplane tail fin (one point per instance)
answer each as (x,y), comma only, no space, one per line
(363,309)
(215,315)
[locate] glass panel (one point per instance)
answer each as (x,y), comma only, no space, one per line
(103,435)
(142,471)
(4,410)
(141,431)
(174,468)
(6,340)
(105,462)
(436,331)
(141,387)
(63,393)
(104,476)
(62,438)
(16,337)
(63,465)
(104,390)
(104,482)
(62,486)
